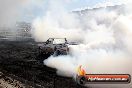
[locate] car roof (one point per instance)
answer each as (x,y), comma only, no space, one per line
(56,38)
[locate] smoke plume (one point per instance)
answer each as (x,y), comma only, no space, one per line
(10,11)
(105,37)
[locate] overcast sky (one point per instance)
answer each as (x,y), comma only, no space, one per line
(27,10)
(39,7)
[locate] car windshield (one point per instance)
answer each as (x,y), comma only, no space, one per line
(59,41)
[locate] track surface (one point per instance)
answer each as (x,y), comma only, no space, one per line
(20,68)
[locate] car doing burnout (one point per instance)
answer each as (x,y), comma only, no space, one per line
(54,46)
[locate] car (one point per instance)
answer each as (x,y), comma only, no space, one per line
(54,46)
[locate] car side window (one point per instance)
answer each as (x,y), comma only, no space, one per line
(50,41)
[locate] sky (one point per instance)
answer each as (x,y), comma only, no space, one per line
(39,7)
(27,10)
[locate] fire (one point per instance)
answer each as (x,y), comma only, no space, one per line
(81,71)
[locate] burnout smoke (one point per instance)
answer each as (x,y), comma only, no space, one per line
(10,12)
(15,14)
(104,37)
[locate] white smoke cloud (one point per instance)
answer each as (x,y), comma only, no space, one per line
(10,11)
(105,34)
(52,26)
